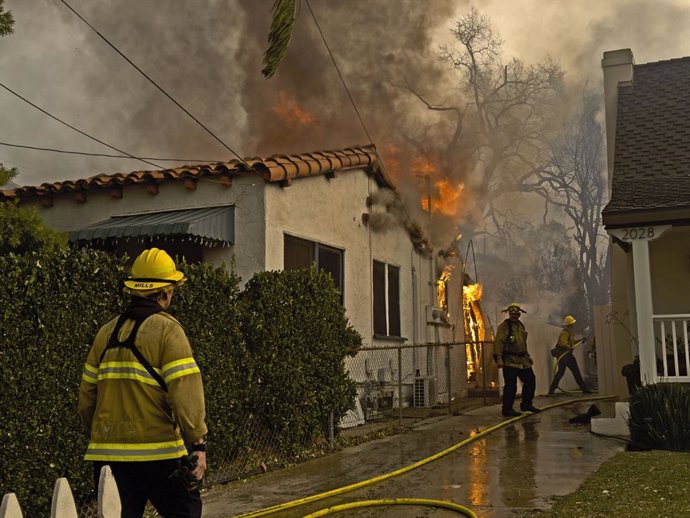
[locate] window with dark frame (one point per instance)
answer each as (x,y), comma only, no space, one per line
(386,299)
(302,253)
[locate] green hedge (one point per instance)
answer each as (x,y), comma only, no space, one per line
(52,305)
(274,351)
(296,330)
(207,306)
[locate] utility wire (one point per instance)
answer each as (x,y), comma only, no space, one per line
(155,84)
(77,129)
(70,152)
(342,80)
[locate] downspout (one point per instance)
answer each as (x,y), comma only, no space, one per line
(415,313)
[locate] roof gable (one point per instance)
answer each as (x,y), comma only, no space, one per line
(651,169)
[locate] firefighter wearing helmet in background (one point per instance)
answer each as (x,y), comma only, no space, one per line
(141,399)
(510,354)
(564,350)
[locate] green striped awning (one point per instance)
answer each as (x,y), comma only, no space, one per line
(212,225)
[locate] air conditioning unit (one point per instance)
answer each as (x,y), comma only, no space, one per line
(436,316)
(425,395)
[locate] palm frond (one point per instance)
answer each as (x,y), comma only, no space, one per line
(6,20)
(279,35)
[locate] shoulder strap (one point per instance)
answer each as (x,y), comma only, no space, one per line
(114,342)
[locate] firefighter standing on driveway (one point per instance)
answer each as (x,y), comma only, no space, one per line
(141,399)
(510,354)
(564,350)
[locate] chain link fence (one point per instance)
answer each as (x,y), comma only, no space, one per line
(396,386)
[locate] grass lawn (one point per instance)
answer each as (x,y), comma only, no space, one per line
(630,485)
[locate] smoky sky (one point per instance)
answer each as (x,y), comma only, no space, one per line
(208,56)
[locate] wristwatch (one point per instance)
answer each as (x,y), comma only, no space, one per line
(197,447)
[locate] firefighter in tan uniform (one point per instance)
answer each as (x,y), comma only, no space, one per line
(141,399)
(564,349)
(510,354)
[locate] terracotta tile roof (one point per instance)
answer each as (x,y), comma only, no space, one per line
(652,147)
(278,168)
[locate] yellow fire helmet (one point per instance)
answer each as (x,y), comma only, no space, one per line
(513,308)
(154,270)
(569,320)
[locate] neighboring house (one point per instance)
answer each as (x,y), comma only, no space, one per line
(336,209)
(648,219)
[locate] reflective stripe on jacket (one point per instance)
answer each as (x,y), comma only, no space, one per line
(514,352)
(124,411)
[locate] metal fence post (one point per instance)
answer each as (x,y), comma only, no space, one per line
(448,384)
(331,432)
(483,344)
(400,400)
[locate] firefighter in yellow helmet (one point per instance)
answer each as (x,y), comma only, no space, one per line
(141,399)
(564,355)
(510,354)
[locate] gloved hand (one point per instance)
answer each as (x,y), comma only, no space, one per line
(184,475)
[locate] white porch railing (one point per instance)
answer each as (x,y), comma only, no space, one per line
(63,502)
(671,347)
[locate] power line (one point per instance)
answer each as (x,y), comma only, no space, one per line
(323,38)
(77,129)
(155,84)
(105,155)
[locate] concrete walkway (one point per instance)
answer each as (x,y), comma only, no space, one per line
(517,468)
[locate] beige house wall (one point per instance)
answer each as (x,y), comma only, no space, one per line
(670,269)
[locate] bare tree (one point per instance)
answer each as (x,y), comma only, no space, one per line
(574,182)
(500,124)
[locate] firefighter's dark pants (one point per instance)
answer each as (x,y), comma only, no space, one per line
(138,482)
(569,361)
(510,377)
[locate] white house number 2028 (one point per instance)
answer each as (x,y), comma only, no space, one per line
(632,234)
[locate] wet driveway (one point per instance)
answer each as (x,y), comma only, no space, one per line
(519,467)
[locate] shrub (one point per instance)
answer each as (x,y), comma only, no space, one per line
(660,417)
(23,231)
(207,306)
(297,332)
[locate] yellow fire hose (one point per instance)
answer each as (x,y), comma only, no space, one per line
(558,360)
(395,501)
(408,501)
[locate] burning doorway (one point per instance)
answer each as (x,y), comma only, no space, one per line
(482,374)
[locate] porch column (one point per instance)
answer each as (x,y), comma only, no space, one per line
(644,310)
(639,238)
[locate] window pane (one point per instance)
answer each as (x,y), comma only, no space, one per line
(331,261)
(380,299)
(393,300)
(298,253)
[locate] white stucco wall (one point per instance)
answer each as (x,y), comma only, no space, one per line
(246,193)
(329,211)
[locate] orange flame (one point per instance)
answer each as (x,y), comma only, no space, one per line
(474,327)
(289,111)
(441,286)
(472,293)
(448,197)
(445,195)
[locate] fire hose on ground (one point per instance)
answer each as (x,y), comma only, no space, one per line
(400,501)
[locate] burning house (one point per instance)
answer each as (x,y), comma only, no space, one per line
(337,209)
